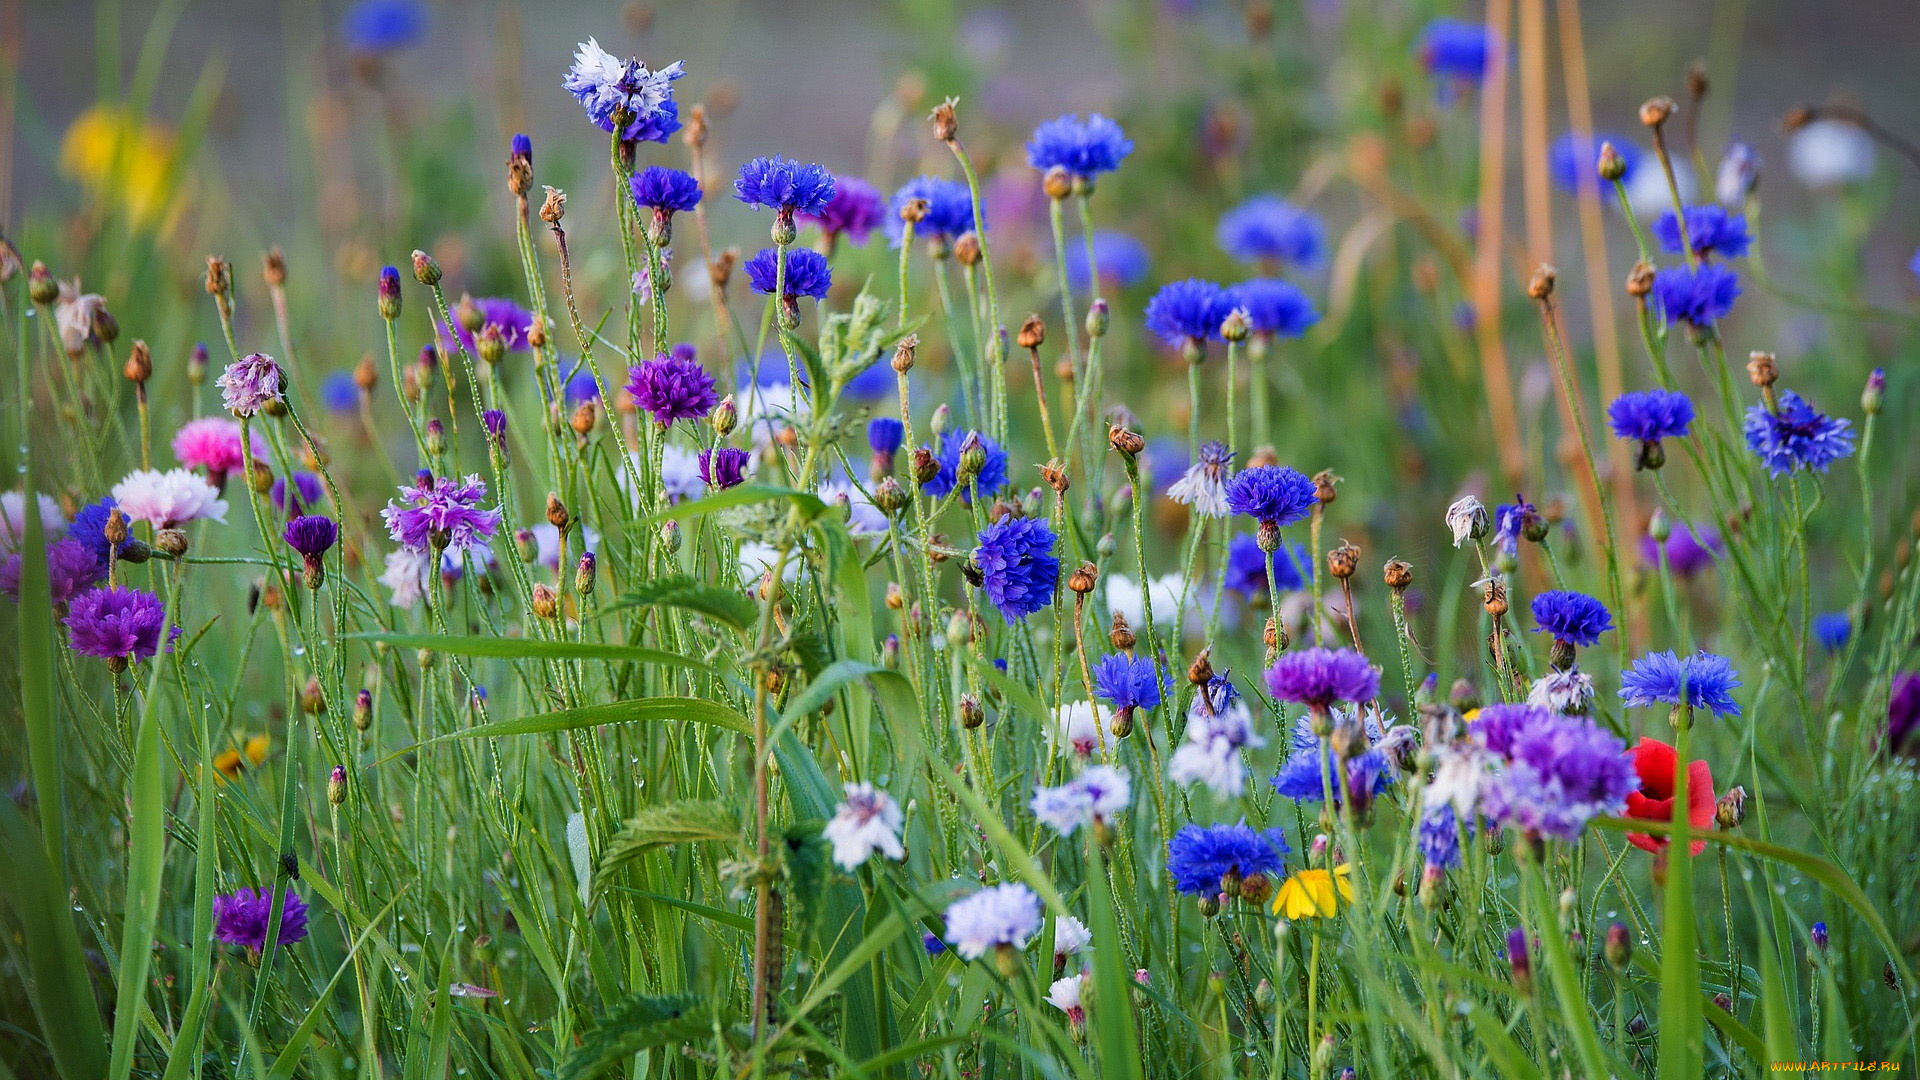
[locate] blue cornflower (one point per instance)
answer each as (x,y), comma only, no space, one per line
(1650,415)
(607,86)
(854,210)
(871,384)
(949,209)
(89,527)
(1698,297)
(1438,838)
(1273,495)
(1511,521)
(378,26)
(1126,682)
(1084,148)
(1274,307)
(1269,229)
(665,190)
(1305,776)
(1188,313)
(1571,617)
(339,393)
(1572,161)
(1198,857)
(784,185)
(581,386)
(1701,681)
(807,273)
(992,476)
(1832,629)
(1710,231)
(1795,435)
(1246,570)
(1456,50)
(1017,566)
(1123,261)
(884,434)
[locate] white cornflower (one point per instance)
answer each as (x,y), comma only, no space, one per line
(1460,776)
(1468,520)
(1070,938)
(13,520)
(1005,916)
(1064,995)
(406,575)
(1204,486)
(757,561)
(867,822)
(167,499)
(1094,796)
(1569,692)
(1648,194)
(1830,154)
(863,518)
(1219,726)
(1124,598)
(546,539)
(680,473)
(1076,726)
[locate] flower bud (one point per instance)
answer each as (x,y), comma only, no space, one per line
(313,701)
(1540,285)
(903,354)
(1871,396)
(670,537)
(1731,810)
(436,437)
(1083,578)
(1121,635)
(337,786)
(1343,561)
(42,288)
(1611,165)
(971,714)
(942,421)
(1762,369)
(724,416)
(425,270)
(1398,574)
(1033,333)
(171,541)
(557,512)
(363,710)
(1129,443)
(1518,961)
(139,366)
(1098,318)
(584,574)
(546,605)
(1640,280)
(1657,111)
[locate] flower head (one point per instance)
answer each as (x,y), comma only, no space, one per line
(1467,519)
(13,519)
(1273,495)
(1084,148)
(1710,231)
(1456,50)
(1318,677)
(241,918)
(949,210)
(1199,857)
(307,490)
(668,190)
(213,443)
(1829,154)
(610,88)
(884,435)
(1204,485)
(1077,726)
(1004,915)
(1313,893)
(1738,174)
(868,821)
(1246,570)
(1219,726)
(1650,415)
(1832,629)
(1572,160)
(1308,776)
(1796,436)
(1561,772)
(807,273)
(1700,681)
(991,477)
(672,386)
(1274,307)
(1093,797)
(89,528)
(723,467)
(1572,617)
(1568,691)
(250,384)
(381,26)
(1128,682)
(785,185)
(855,210)
(1656,763)
(1017,566)
(312,536)
(1267,229)
(71,567)
(1065,995)
(1437,835)
(115,623)
(512,321)
(1689,549)
(1122,261)
(167,499)
(1188,313)
(1903,714)
(1698,297)
(441,513)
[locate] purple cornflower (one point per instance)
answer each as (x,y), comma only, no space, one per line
(855,210)
(250,384)
(784,185)
(991,477)
(1084,148)
(1318,677)
(1697,297)
(115,623)
(807,273)
(1570,617)
(1497,725)
(1573,161)
(241,918)
(1274,495)
(1246,570)
(1122,261)
(1267,229)
(607,86)
(1017,566)
(672,386)
(312,535)
(1511,522)
(1903,713)
(1690,549)
(1795,435)
(441,513)
(949,209)
(1456,50)
(71,567)
(1187,314)
(511,320)
(1710,231)
(380,26)
(665,191)
(495,423)
(1518,961)
(1201,858)
(307,491)
(1700,681)
(1647,416)
(1004,916)
(884,434)
(1126,682)
(1561,773)
(723,467)
(1274,307)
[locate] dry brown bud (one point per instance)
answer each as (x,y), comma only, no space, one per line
(219,276)
(903,353)
(1033,333)
(1640,280)
(274,266)
(1343,561)
(1130,443)
(1056,183)
(946,125)
(1761,369)
(1657,111)
(554,207)
(139,366)
(1121,635)
(557,512)
(1398,574)
(1083,578)
(1323,484)
(1540,286)
(966,249)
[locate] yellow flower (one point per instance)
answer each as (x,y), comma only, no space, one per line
(231,763)
(124,160)
(1310,894)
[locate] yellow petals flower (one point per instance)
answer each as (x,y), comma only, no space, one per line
(1311,894)
(124,160)
(231,763)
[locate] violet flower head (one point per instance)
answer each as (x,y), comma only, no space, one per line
(250,384)
(784,185)
(495,423)
(115,623)
(89,527)
(1571,617)
(1187,314)
(1496,726)
(991,477)
(1200,858)
(72,566)
(1561,772)
(1797,436)
(1701,681)
(1650,415)
(510,319)
(1269,230)
(307,491)
(672,386)
(665,190)
(1318,677)
(1127,682)
(1308,776)
(807,273)
(1084,148)
(884,435)
(1710,231)
(1903,714)
(1456,50)
(312,535)
(1438,838)
(1699,297)
(441,512)
(723,467)
(1274,307)
(241,918)
(610,88)
(1002,916)
(1273,495)
(855,210)
(1689,549)
(1017,566)
(949,210)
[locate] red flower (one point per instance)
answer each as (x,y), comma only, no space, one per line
(1655,762)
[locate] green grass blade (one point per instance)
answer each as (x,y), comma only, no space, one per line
(57,983)
(638,710)
(1110,1014)
(39,704)
(144,865)
(508,648)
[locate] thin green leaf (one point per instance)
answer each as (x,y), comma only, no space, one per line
(687,822)
(658,710)
(147,844)
(56,982)
(509,648)
(729,606)
(639,1022)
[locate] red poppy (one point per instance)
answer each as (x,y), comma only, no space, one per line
(1655,762)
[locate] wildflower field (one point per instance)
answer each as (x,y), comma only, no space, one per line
(1356,561)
